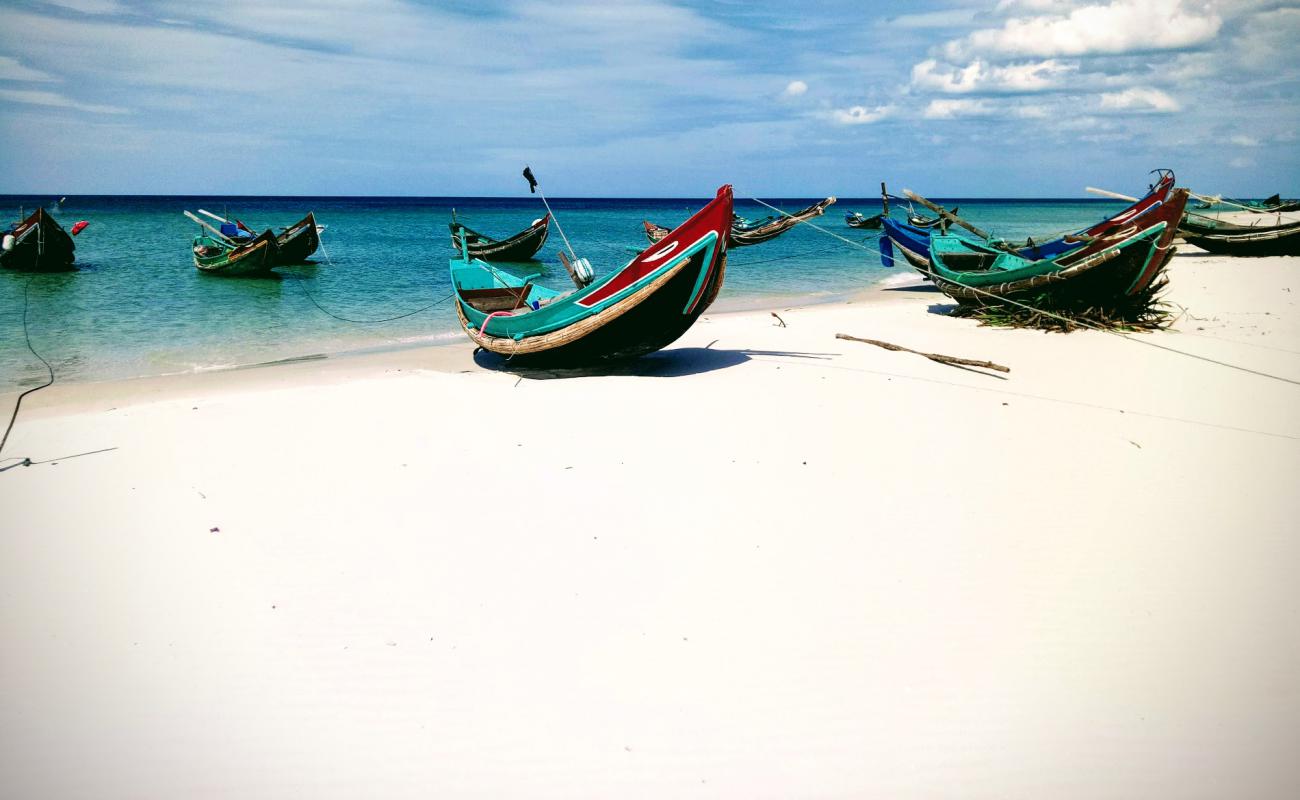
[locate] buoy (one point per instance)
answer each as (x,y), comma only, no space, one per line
(583,272)
(8,242)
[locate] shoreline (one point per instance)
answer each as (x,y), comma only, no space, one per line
(438,342)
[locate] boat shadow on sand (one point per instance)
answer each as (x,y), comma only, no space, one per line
(675,363)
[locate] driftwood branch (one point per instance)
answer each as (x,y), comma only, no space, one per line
(942,359)
(778,319)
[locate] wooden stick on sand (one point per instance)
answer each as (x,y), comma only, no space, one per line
(942,359)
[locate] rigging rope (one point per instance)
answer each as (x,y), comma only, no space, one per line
(48,368)
(1081,323)
(365,321)
(297,279)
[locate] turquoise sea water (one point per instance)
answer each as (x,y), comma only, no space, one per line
(138,307)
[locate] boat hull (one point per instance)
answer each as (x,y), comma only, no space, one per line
(650,321)
(643,307)
(741,235)
(864,223)
(254,258)
(520,247)
(913,239)
(1283,240)
(39,245)
(1121,261)
(297,244)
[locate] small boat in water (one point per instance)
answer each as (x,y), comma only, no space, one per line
(215,253)
(520,247)
(745,232)
(856,219)
(292,245)
(296,243)
(38,244)
(213,256)
(638,309)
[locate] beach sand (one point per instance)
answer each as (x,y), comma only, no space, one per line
(764,563)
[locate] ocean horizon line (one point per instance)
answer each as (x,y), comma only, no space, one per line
(48,197)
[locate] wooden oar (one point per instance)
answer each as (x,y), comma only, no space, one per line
(219,234)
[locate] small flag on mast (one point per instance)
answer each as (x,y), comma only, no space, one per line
(532,182)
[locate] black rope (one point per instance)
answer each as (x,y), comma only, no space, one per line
(365,321)
(48,368)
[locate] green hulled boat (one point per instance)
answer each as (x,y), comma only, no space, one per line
(635,310)
(213,256)
(1119,260)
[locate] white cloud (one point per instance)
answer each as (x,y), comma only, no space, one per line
(1245,141)
(951,108)
(11,69)
(1139,98)
(795,89)
(861,115)
(980,76)
(90,6)
(1268,40)
(1121,26)
(53,100)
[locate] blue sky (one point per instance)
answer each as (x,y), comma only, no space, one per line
(648,97)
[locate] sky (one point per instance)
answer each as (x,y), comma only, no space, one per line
(648,98)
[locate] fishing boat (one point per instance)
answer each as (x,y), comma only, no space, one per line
(856,219)
(520,247)
(1282,238)
(37,244)
(913,242)
(292,245)
(217,254)
(635,310)
(1269,205)
(924,222)
(745,232)
(1118,259)
(213,256)
(296,243)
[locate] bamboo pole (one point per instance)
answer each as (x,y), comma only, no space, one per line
(1105,193)
(948,215)
(219,234)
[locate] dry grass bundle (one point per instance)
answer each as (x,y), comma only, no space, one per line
(1144,311)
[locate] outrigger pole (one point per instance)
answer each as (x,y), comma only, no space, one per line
(534,187)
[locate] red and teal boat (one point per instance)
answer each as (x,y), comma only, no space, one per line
(638,309)
(1117,260)
(912,241)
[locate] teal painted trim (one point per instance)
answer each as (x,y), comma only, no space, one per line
(704,273)
(564,310)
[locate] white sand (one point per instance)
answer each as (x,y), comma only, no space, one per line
(766,564)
